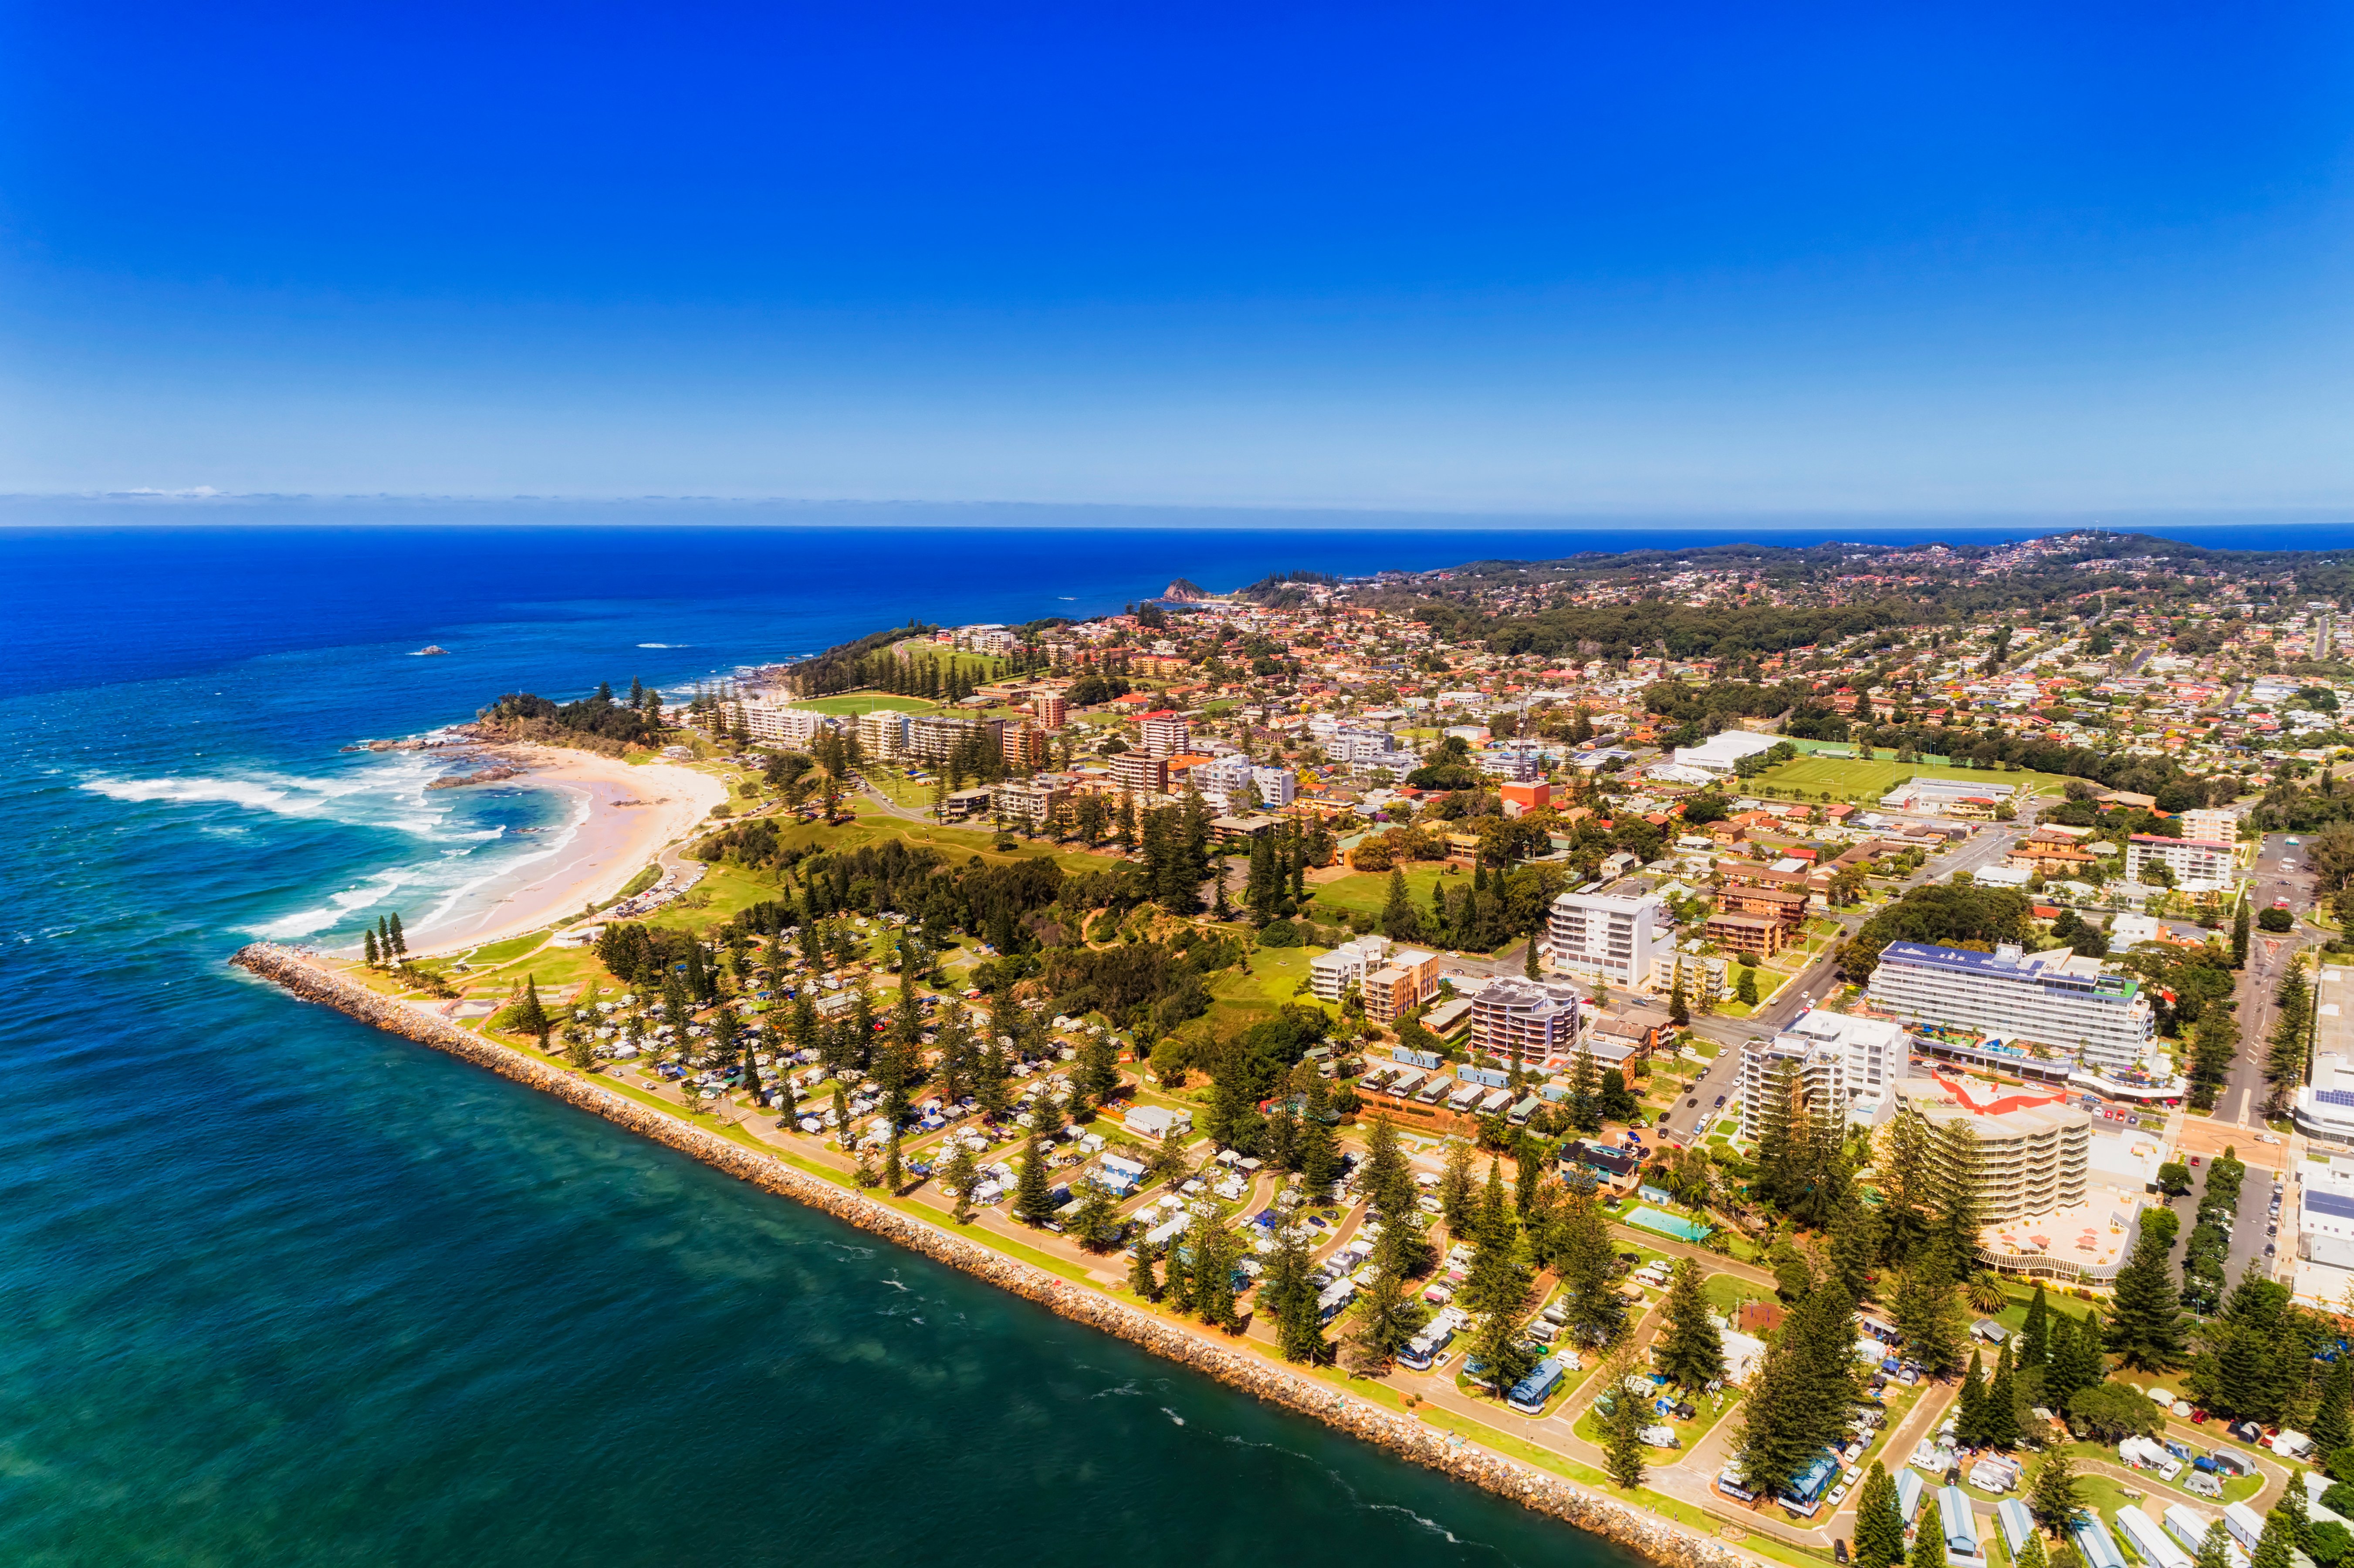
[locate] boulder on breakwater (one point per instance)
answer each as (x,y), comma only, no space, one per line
(1655,1538)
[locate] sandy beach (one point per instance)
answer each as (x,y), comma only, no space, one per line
(632,814)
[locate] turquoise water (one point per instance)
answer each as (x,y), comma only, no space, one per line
(1645,1218)
(279,1288)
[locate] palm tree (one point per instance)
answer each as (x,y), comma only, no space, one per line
(1985,1292)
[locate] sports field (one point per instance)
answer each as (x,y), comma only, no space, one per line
(1866,783)
(867,702)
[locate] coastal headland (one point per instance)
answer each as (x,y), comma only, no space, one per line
(1231,1362)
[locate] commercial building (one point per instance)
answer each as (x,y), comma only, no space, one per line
(1332,974)
(1717,754)
(1510,763)
(1520,800)
(1534,1019)
(2056,1000)
(1607,937)
(1408,979)
(1244,830)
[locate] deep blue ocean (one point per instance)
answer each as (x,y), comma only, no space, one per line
(276,1289)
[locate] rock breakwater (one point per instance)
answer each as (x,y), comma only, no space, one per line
(1659,1539)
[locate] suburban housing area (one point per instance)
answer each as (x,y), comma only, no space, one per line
(1788,1035)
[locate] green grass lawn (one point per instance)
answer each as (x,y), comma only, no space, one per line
(1726,1292)
(869,701)
(1865,782)
(1366,892)
(500,952)
(1239,1000)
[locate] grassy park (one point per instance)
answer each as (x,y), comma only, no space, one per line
(867,702)
(1865,782)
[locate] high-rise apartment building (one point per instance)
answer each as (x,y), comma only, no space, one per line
(1836,1061)
(1607,937)
(936,737)
(1408,979)
(771,718)
(1536,1018)
(1163,732)
(1053,712)
(2033,1149)
(883,735)
(1024,745)
(2193,863)
(1140,773)
(2068,1004)
(1330,975)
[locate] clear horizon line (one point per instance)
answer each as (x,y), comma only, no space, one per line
(119,502)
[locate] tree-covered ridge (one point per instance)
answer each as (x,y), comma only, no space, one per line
(846,666)
(597,722)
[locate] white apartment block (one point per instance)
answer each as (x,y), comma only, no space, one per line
(933,738)
(882,733)
(1165,735)
(1222,784)
(2210,827)
(1534,1019)
(1873,1052)
(1609,936)
(1838,1061)
(1332,974)
(1032,800)
(1361,746)
(770,718)
(2056,1000)
(1818,1077)
(2197,864)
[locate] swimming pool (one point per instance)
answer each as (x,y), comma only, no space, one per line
(1645,1218)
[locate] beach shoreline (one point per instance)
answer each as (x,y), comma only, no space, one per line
(629,813)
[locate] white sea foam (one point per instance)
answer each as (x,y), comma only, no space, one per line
(390,793)
(665,644)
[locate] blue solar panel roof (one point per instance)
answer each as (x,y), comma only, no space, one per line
(2335,1097)
(2331,1203)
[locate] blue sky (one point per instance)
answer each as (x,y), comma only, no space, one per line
(1675,258)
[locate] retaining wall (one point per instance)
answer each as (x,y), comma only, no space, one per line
(1654,1537)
